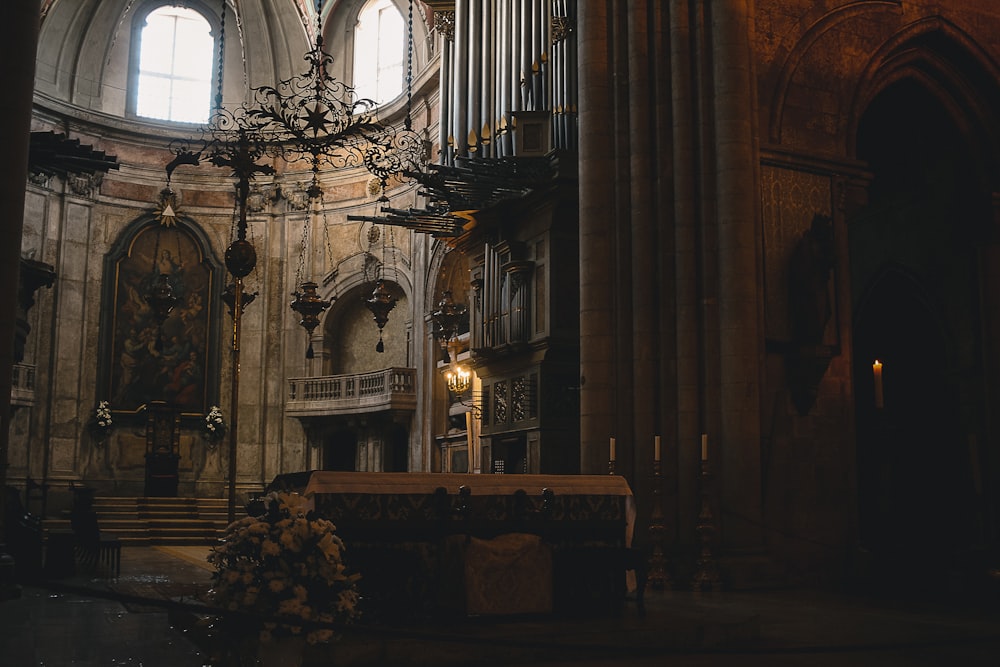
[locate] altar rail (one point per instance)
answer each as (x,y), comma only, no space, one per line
(389,389)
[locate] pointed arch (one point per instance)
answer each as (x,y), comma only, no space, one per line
(950,65)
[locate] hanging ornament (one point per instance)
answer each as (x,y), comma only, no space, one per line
(307,302)
(380,303)
(166,207)
(162,300)
(448,317)
(309,305)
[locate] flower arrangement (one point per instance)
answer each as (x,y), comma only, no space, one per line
(101,422)
(215,425)
(284,562)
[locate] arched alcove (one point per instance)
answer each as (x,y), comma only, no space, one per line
(142,360)
(916,295)
(350,334)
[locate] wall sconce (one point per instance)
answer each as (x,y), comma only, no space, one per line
(458,379)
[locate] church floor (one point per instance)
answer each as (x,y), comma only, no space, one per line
(87,620)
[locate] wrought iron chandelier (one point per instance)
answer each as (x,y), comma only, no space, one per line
(310,116)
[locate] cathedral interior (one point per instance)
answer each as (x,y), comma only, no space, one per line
(744,254)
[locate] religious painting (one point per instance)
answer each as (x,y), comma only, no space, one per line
(152,360)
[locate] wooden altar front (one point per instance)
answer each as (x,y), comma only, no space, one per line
(436,543)
(162,444)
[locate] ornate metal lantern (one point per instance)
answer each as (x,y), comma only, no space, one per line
(380,303)
(448,317)
(309,305)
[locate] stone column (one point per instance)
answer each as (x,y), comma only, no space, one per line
(735,449)
(597,145)
(19,23)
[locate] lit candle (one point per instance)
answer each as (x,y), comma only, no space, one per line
(704,446)
(612,449)
(877,373)
(656,448)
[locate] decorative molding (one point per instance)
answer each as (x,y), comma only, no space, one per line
(561,27)
(39,178)
(298,198)
(85,185)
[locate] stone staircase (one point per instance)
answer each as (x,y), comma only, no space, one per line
(157,521)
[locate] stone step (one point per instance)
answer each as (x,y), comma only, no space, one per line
(156,521)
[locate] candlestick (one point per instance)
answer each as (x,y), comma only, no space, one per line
(704,446)
(656,575)
(706,576)
(612,457)
(656,448)
(877,373)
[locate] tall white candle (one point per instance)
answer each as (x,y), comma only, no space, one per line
(656,448)
(612,457)
(877,373)
(704,446)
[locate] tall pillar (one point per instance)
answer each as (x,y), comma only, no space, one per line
(736,447)
(19,23)
(597,143)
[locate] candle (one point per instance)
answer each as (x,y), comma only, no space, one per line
(656,448)
(877,373)
(704,446)
(612,449)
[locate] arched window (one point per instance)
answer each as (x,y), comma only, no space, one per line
(379,51)
(176,54)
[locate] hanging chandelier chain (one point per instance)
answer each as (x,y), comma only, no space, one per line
(409,67)
(304,244)
(319,21)
(392,245)
(326,239)
(222,59)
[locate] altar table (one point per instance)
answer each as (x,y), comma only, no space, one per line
(422,540)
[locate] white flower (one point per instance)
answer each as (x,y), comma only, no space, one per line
(215,425)
(102,416)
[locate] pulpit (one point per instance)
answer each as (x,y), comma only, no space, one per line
(162,444)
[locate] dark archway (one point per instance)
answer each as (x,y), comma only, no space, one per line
(914,492)
(916,302)
(340,450)
(396,452)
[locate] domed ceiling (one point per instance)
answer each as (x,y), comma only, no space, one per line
(87,48)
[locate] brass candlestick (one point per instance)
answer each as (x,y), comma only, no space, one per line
(611,466)
(657,579)
(706,576)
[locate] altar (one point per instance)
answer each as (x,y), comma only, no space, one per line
(442,543)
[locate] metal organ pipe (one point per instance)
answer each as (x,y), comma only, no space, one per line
(459,126)
(447,63)
(474,58)
(487,119)
(503,74)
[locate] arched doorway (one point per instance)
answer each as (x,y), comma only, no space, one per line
(913,253)
(913,481)
(340,450)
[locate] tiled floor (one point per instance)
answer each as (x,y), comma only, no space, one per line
(76,621)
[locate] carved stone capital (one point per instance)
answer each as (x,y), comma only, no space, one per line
(85,185)
(445,22)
